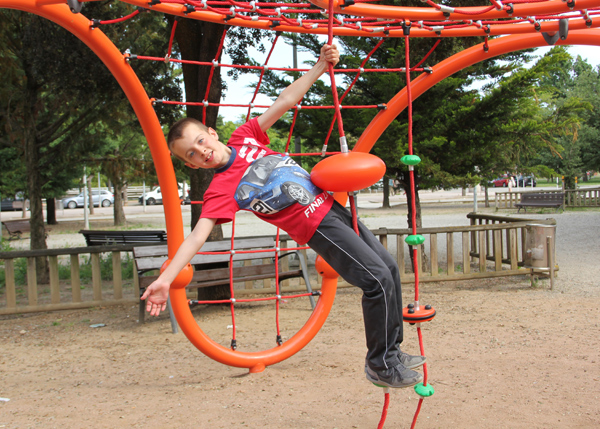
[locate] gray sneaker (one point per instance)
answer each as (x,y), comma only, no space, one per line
(397,376)
(411,362)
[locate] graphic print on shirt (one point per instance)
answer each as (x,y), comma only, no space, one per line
(273,183)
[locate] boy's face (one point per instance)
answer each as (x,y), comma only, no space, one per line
(201,149)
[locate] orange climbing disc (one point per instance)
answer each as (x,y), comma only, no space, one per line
(347,172)
(417,315)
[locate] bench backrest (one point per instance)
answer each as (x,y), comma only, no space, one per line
(17,225)
(152,257)
(101,238)
(549,197)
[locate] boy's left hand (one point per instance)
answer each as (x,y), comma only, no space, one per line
(330,54)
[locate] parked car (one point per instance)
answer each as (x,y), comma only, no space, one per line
(500,182)
(155,195)
(104,198)
(12,204)
(527,181)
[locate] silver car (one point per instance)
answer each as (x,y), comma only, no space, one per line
(105,198)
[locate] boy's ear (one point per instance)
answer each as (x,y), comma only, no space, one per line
(195,167)
(213,133)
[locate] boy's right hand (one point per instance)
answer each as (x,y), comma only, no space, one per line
(330,54)
(156,296)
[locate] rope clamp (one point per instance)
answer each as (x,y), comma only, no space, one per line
(510,9)
(343,144)
(153,2)
(571,4)
(232,300)
(253,4)
(428,70)
(232,251)
(361,70)
(324,150)
(298,106)
(167,58)
(347,3)
(406,28)
(299,22)
(266,67)
(189,9)
(274,23)
(205,103)
(215,63)
(95,23)
(74,5)
(446,9)
(251,105)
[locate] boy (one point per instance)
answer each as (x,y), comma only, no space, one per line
(250,176)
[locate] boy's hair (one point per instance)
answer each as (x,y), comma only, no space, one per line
(176,132)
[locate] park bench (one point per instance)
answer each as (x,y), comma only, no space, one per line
(536,199)
(106,238)
(257,266)
(17,227)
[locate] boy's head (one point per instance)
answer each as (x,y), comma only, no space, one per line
(196,144)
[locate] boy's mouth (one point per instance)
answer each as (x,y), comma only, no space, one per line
(209,157)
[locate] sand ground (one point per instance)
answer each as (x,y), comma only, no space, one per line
(501,354)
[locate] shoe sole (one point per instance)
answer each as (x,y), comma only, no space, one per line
(379,383)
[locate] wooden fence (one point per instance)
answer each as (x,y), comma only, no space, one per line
(491,246)
(583,197)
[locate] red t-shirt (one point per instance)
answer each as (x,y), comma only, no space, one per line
(271,185)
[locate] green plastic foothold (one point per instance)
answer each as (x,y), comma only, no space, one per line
(410,159)
(424,391)
(413,240)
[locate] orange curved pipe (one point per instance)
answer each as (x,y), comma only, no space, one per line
(255,361)
(458,62)
(103,47)
(500,29)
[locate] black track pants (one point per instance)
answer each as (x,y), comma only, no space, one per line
(362,261)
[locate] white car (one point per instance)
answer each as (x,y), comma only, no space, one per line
(155,195)
(104,198)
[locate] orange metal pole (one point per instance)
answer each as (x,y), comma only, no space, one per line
(377,11)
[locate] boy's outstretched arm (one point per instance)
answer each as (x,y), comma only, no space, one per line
(293,93)
(157,293)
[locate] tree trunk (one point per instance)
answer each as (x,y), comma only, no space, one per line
(386,192)
(199,41)
(38,232)
(118,211)
(51,211)
(90,194)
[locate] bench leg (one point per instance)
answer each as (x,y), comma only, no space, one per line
(174,326)
(306,278)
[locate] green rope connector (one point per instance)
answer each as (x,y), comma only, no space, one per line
(424,391)
(414,240)
(410,159)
